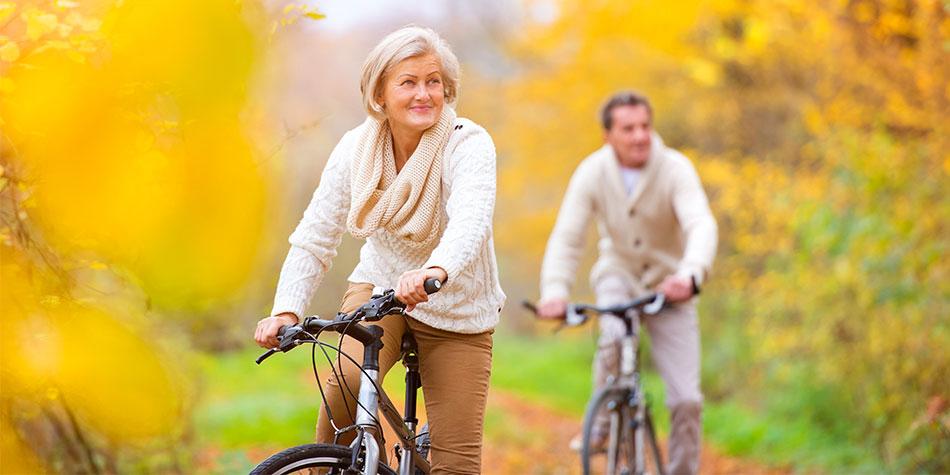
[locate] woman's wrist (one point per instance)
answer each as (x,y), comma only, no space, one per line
(438,273)
(288,315)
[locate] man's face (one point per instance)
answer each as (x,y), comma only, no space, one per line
(629,135)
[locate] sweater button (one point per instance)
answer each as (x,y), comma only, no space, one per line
(633,213)
(646,267)
(637,242)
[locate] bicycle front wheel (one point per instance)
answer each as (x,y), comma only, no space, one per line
(333,458)
(654,461)
(615,439)
(617,436)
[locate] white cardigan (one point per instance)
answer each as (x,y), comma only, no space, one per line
(471,299)
(663,227)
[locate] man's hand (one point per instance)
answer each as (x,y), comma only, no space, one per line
(411,287)
(676,288)
(553,308)
(266,334)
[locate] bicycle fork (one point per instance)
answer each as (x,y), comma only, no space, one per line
(366,413)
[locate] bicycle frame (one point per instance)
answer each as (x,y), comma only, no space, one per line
(627,384)
(372,398)
(371,402)
(629,378)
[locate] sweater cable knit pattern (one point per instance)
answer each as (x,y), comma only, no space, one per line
(471,299)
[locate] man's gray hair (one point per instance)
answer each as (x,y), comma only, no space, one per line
(624,98)
(404,43)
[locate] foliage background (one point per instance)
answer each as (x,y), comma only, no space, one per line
(155,155)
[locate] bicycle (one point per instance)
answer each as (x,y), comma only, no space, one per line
(622,398)
(363,455)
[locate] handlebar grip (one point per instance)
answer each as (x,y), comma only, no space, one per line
(432,285)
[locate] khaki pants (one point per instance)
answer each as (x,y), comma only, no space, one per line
(674,339)
(454,368)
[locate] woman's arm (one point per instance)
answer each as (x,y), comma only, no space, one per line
(314,241)
(471,205)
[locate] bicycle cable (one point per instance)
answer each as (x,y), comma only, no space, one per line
(338,375)
(376,386)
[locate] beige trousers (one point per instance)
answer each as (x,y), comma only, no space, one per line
(674,341)
(454,368)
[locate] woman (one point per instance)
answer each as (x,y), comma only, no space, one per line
(418,183)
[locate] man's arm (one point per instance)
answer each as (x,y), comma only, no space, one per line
(692,210)
(566,245)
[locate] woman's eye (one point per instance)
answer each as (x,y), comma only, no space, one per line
(407,82)
(435,81)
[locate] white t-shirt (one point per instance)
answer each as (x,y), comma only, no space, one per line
(630,177)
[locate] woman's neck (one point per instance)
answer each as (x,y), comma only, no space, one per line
(405,142)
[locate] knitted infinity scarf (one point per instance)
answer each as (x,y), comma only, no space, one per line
(407,203)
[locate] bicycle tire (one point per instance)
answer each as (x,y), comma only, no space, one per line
(626,452)
(653,456)
(303,457)
(599,402)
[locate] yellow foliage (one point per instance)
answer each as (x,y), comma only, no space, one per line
(128,187)
(820,132)
(9,52)
(164,196)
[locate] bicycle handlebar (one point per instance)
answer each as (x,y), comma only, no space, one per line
(376,308)
(648,305)
(576,312)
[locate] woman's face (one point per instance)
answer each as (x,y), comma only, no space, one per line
(413,93)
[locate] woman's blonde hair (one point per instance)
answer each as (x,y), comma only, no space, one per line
(404,43)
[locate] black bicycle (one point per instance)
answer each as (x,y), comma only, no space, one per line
(363,455)
(631,444)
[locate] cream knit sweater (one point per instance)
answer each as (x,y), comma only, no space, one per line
(663,227)
(472,297)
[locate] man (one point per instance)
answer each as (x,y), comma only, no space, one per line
(657,234)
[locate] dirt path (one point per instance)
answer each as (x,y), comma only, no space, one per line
(525,438)
(535,440)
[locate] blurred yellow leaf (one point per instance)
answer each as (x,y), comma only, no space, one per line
(39,23)
(91,24)
(6,9)
(76,56)
(9,52)
(314,15)
(703,72)
(7,85)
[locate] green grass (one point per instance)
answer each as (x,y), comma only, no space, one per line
(555,371)
(245,404)
(788,426)
(242,405)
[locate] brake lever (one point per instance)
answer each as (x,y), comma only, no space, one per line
(266,355)
(572,317)
(656,305)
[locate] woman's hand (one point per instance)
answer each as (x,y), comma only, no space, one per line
(266,334)
(410,290)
